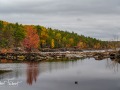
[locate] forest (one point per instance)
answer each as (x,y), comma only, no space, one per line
(31,37)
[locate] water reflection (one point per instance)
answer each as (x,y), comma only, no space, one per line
(114,64)
(36,69)
(32,72)
(90,74)
(15,73)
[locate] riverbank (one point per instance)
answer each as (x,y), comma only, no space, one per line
(41,56)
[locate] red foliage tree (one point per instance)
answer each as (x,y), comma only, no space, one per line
(32,39)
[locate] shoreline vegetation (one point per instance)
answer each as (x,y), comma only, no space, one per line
(37,38)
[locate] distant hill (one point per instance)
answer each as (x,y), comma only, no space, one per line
(36,37)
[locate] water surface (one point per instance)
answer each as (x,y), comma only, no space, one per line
(87,74)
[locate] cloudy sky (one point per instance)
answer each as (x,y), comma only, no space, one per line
(95,18)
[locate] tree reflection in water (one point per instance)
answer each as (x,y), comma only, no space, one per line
(32,72)
(113,64)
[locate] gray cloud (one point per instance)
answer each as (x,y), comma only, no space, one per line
(61,6)
(96,18)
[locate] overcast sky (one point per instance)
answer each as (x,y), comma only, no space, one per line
(95,18)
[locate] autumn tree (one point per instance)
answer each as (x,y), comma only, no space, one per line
(58,38)
(2,42)
(52,43)
(97,46)
(64,40)
(71,41)
(43,36)
(8,35)
(1,25)
(13,34)
(81,45)
(31,40)
(19,34)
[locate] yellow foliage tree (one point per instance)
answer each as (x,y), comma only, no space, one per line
(43,36)
(81,45)
(71,41)
(52,43)
(97,46)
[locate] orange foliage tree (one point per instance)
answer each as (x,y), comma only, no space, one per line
(31,40)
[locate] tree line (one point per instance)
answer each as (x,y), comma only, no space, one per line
(36,37)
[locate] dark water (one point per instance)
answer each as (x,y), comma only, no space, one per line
(87,74)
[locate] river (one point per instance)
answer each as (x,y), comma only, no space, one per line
(87,74)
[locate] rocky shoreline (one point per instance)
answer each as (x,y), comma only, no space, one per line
(40,56)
